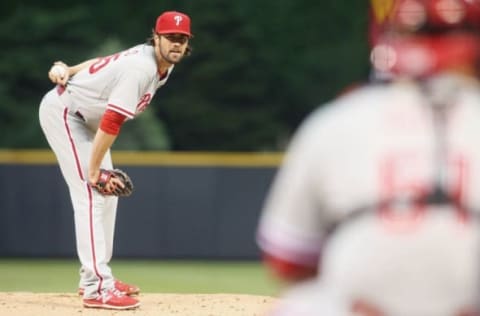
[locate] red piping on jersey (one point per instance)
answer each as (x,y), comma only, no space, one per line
(92,239)
(111,122)
(120,110)
(90,199)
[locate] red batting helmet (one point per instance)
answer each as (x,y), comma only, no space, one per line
(421,37)
(173,22)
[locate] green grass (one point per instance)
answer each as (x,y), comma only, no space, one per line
(47,275)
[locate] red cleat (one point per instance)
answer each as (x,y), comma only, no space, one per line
(127,289)
(124,288)
(112,299)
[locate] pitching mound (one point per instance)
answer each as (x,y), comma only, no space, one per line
(58,304)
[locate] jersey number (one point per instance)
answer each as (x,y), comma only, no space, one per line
(404,177)
(104,61)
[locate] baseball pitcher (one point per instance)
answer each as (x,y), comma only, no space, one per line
(81,118)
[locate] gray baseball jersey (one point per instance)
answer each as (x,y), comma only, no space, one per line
(124,82)
(379,143)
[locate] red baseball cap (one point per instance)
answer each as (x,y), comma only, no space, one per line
(173,22)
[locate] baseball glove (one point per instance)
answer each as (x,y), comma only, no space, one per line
(106,177)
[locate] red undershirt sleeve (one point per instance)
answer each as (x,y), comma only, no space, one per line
(111,122)
(289,271)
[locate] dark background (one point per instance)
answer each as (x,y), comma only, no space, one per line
(258,67)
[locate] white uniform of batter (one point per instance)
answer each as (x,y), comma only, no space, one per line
(125,83)
(376,144)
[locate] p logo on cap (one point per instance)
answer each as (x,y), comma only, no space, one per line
(173,22)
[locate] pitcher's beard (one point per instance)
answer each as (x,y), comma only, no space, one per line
(170,60)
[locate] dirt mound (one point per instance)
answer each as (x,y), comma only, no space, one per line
(60,304)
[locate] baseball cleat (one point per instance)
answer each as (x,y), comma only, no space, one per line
(127,289)
(112,299)
(124,288)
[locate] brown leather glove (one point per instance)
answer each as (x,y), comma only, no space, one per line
(105,185)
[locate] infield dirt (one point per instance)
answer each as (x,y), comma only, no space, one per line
(60,304)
